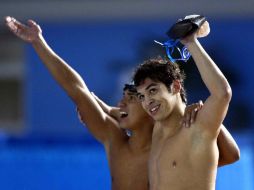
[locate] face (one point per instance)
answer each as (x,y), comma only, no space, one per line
(156,99)
(133,115)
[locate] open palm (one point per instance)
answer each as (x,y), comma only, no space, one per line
(28,33)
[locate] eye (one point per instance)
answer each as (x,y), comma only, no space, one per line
(153,91)
(132,98)
(141,97)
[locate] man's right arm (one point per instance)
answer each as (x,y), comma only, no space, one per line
(98,122)
(210,118)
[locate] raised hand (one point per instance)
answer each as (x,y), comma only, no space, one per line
(28,33)
(203,31)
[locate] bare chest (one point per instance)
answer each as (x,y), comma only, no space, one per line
(129,170)
(181,161)
(170,153)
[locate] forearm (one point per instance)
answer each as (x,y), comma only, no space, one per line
(67,77)
(211,75)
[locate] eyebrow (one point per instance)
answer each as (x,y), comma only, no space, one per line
(131,93)
(127,92)
(151,85)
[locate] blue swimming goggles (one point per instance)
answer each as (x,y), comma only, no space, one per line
(174,51)
(182,28)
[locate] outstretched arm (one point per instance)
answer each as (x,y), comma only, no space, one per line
(216,105)
(97,121)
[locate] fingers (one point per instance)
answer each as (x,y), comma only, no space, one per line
(7,19)
(188,119)
(32,23)
(194,112)
(185,122)
(193,115)
(11,23)
(200,102)
(182,122)
(199,105)
(116,113)
(14,25)
(190,114)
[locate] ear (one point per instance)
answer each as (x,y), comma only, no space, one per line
(176,86)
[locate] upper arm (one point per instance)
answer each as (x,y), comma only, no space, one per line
(100,124)
(212,114)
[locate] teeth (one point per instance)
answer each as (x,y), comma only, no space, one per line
(155,108)
(123,114)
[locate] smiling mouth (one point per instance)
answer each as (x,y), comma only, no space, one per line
(123,114)
(154,110)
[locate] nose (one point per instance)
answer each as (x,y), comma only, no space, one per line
(149,101)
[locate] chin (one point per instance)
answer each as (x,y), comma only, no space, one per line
(158,117)
(124,125)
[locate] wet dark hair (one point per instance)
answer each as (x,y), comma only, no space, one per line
(160,70)
(130,87)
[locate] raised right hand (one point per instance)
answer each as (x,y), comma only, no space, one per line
(28,33)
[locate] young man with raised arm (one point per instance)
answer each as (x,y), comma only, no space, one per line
(183,158)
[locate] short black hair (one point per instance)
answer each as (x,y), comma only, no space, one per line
(161,70)
(130,87)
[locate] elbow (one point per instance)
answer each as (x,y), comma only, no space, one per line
(228,92)
(230,159)
(237,155)
(225,94)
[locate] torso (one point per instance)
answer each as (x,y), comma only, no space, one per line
(129,170)
(186,160)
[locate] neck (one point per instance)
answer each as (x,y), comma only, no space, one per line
(141,137)
(171,124)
